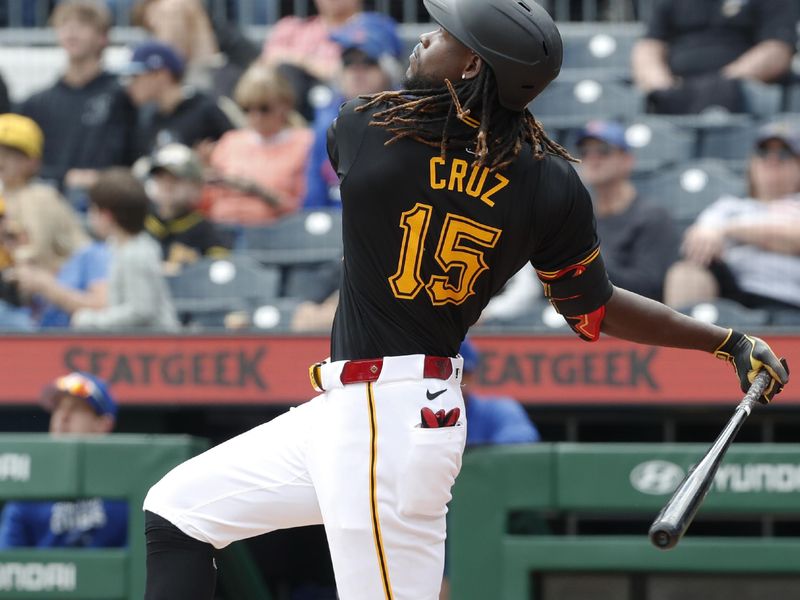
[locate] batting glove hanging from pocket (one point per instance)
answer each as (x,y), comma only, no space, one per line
(748,355)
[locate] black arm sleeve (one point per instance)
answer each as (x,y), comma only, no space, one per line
(777,20)
(658,26)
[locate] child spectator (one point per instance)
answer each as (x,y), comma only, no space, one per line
(175,186)
(87,120)
(137,293)
(268,156)
(46,230)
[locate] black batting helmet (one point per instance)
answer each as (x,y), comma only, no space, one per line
(516,38)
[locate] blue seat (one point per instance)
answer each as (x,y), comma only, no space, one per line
(729,142)
(305,237)
(567,103)
(728,313)
(211,288)
(603,49)
(687,188)
(792,103)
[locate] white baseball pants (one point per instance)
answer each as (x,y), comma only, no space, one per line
(355,459)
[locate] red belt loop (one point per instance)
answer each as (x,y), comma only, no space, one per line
(362,371)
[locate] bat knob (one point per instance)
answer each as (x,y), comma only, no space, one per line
(662,539)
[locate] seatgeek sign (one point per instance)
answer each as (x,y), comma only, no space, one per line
(241,369)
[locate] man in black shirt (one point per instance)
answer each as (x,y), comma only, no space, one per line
(87,119)
(639,238)
(169,112)
(695,51)
(448,188)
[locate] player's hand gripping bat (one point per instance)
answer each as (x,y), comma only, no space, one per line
(677,514)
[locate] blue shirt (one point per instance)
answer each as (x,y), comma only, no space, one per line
(322,183)
(89,523)
(498,421)
(84,268)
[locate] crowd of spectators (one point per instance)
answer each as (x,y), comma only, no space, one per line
(207,132)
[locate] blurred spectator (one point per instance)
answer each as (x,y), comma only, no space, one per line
(492,420)
(13,316)
(266,160)
(87,119)
(5,103)
(695,51)
(748,249)
(170,112)
(80,404)
(638,239)
(370,64)
(318,306)
(175,186)
(39,225)
(216,52)
(81,282)
(305,53)
(138,296)
(519,296)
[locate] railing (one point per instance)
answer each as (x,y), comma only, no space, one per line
(557,485)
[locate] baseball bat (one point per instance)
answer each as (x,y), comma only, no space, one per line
(677,514)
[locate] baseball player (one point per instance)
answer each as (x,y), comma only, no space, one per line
(448,188)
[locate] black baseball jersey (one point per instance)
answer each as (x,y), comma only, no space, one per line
(429,240)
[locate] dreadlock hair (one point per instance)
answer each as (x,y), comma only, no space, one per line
(426,115)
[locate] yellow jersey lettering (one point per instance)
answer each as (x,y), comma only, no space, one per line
(458,170)
(503,182)
(436,184)
(474,188)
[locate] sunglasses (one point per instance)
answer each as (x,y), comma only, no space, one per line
(264,109)
(782,154)
(359,61)
(596,149)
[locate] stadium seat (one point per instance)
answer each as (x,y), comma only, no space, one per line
(686,189)
(207,290)
(792,104)
(306,237)
(274,316)
(606,49)
(728,313)
(732,142)
(654,141)
(567,103)
(657,142)
(313,282)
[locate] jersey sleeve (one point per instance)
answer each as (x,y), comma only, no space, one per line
(658,25)
(567,255)
(345,136)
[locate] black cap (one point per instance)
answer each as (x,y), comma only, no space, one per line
(516,38)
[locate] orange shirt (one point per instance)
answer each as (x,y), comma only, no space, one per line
(303,42)
(277,164)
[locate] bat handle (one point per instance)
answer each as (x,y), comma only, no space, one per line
(757,388)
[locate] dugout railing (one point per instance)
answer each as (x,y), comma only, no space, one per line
(549,487)
(37,466)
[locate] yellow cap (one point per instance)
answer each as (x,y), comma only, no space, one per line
(22,133)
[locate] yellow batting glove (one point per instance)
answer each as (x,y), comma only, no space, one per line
(748,355)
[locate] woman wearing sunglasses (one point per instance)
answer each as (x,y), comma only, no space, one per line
(748,249)
(261,167)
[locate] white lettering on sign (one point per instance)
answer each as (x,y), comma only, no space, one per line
(15,467)
(38,577)
(780,478)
